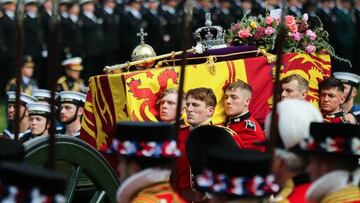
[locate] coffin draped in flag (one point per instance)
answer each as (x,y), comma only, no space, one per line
(134,95)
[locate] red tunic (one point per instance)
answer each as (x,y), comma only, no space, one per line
(249,132)
(182,173)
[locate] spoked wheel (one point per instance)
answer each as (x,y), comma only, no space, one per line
(87,169)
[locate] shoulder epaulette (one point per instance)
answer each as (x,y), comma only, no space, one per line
(61,79)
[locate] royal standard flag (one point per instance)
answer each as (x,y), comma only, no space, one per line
(134,95)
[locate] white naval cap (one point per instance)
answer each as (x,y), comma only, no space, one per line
(30,1)
(24,98)
(76,98)
(73,63)
(294,118)
(42,94)
(38,108)
(349,78)
(81,2)
(7,1)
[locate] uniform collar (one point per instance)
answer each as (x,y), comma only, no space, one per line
(335,115)
(239,118)
(207,122)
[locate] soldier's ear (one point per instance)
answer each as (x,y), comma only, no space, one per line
(211,110)
(81,111)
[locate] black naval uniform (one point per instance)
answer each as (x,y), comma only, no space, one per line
(111,22)
(92,34)
(8,25)
(72,42)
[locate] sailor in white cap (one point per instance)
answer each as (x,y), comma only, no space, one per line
(23,117)
(351,83)
(39,120)
(44,96)
(71,105)
(71,81)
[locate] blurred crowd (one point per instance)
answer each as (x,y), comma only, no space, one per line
(105,32)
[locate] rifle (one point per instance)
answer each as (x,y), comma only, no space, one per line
(188,8)
(53,72)
(279,43)
(19,56)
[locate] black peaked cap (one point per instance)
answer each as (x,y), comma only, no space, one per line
(144,131)
(29,177)
(204,138)
(238,162)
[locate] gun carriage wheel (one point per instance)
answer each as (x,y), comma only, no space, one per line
(87,169)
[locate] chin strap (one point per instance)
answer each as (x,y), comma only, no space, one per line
(73,118)
(349,94)
(45,128)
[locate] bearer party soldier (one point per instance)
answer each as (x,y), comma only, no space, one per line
(294,87)
(168,104)
(23,115)
(147,151)
(236,101)
(331,97)
(200,106)
(71,107)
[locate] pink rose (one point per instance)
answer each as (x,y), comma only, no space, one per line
(311,35)
(269,20)
(293,28)
(269,31)
(289,20)
(245,33)
(310,48)
(260,33)
(296,36)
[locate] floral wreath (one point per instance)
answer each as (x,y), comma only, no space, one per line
(262,32)
(240,186)
(10,193)
(166,149)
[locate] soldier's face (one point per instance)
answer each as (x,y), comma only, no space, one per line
(11,111)
(67,112)
(31,8)
(27,71)
(74,10)
(236,102)
(291,90)
(168,107)
(10,7)
(73,74)
(89,7)
(330,100)
(197,112)
(37,124)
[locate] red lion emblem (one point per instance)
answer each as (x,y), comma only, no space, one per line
(150,96)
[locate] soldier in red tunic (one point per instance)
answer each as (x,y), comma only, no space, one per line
(200,106)
(147,151)
(294,87)
(236,101)
(331,96)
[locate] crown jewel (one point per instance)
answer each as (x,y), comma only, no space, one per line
(210,36)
